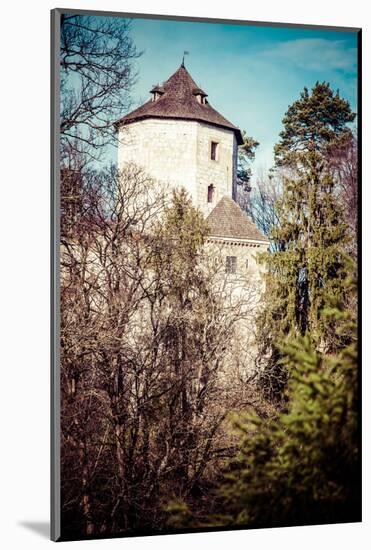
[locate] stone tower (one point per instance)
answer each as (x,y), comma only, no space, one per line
(178,138)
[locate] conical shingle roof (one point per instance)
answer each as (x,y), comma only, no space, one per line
(178,100)
(227,220)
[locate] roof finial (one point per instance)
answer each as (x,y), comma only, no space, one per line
(184,53)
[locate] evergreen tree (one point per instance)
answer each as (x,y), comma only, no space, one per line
(193,330)
(307,271)
(302,467)
(314,122)
(183,232)
(309,267)
(246,154)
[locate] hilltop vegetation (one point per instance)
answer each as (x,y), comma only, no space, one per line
(164,425)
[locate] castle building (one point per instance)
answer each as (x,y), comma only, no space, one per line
(178,138)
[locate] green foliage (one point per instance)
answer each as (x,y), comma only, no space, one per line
(184,225)
(301,467)
(179,515)
(246,154)
(307,271)
(314,122)
(309,266)
(180,238)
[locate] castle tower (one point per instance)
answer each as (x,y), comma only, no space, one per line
(178,138)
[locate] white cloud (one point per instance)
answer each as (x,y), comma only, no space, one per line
(314,54)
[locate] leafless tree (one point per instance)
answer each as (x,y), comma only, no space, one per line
(149,322)
(343,161)
(260,201)
(96,70)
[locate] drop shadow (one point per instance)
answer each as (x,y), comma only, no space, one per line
(41,528)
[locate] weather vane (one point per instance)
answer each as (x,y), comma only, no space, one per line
(184,53)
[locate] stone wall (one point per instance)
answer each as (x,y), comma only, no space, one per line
(248,270)
(220,172)
(178,153)
(242,292)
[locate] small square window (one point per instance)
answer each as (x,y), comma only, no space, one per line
(214,150)
(231,264)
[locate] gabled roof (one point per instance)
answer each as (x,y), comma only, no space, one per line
(227,220)
(178,100)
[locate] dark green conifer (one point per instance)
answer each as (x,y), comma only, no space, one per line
(303,466)
(246,154)
(309,268)
(314,122)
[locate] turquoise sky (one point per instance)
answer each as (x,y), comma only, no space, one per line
(251,73)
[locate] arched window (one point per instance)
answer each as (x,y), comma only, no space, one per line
(210,193)
(214,150)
